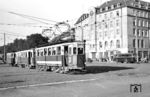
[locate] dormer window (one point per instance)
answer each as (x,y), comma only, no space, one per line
(101,10)
(140,6)
(106,8)
(115,6)
(118,5)
(112,6)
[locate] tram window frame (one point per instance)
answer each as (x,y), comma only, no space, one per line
(49,51)
(58,50)
(79,50)
(74,50)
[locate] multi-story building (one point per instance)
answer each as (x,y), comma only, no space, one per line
(117,26)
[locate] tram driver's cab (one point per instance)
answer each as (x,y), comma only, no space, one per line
(75,55)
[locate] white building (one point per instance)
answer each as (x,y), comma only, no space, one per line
(115,27)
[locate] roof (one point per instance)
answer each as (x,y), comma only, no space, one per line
(82,18)
(107,6)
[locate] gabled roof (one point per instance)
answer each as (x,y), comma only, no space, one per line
(82,18)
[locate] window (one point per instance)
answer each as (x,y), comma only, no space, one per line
(106,25)
(139,13)
(143,14)
(105,16)
(38,53)
(111,15)
(111,43)
(53,51)
(105,33)
(119,4)
(134,31)
(117,31)
(59,50)
(41,53)
(106,44)
(74,50)
(112,6)
(134,22)
(143,23)
(70,51)
(117,13)
(117,22)
(134,43)
(100,34)
(138,32)
(106,8)
(111,24)
(146,33)
(134,12)
(80,50)
(142,43)
(146,14)
(138,43)
(142,33)
(139,23)
(45,51)
(100,25)
(100,44)
(118,43)
(147,24)
(49,51)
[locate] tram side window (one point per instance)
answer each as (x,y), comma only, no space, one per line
(80,50)
(69,52)
(74,50)
(31,54)
(41,53)
(49,51)
(45,51)
(38,53)
(53,51)
(59,50)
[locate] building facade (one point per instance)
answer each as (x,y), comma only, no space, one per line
(117,26)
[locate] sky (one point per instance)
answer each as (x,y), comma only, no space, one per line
(56,10)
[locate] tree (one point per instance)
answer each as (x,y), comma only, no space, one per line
(36,40)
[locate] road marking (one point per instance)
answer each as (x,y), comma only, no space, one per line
(47,84)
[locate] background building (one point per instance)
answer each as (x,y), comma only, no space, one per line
(116,26)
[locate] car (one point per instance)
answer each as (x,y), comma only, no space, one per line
(125,58)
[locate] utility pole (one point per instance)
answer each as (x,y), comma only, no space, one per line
(137,57)
(4,48)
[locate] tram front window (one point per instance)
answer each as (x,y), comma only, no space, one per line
(74,50)
(80,50)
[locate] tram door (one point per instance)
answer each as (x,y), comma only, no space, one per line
(65,56)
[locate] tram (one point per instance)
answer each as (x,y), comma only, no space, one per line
(66,56)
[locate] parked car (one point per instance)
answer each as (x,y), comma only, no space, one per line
(125,58)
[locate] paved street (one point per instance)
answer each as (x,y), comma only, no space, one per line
(101,80)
